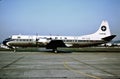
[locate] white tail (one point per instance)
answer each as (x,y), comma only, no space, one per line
(103,30)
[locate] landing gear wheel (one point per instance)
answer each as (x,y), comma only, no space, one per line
(55,51)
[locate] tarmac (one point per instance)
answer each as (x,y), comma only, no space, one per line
(48,65)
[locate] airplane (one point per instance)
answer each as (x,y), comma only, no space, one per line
(101,36)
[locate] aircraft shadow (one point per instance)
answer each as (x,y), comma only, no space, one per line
(59,51)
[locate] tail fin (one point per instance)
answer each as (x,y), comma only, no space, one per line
(103,30)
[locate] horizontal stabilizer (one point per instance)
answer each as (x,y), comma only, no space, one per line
(109,38)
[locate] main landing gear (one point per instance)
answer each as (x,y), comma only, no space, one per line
(55,51)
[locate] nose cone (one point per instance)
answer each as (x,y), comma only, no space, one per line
(6,40)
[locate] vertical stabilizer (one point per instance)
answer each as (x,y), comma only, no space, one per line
(103,30)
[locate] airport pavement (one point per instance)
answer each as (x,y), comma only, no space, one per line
(47,65)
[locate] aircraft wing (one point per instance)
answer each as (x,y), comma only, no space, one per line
(53,44)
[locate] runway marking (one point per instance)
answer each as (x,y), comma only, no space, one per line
(79,72)
(94,67)
(11,63)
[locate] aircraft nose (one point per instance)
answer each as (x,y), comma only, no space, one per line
(5,42)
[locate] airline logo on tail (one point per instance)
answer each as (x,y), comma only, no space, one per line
(103,28)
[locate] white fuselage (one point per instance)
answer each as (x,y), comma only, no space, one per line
(42,41)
